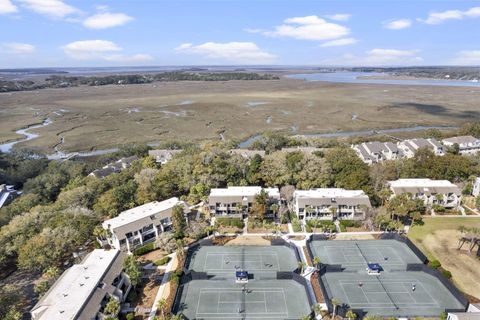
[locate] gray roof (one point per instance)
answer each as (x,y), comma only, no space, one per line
(302,149)
(93,305)
(466,315)
(392,146)
(103,172)
(343,201)
(128,160)
(462,140)
(79,291)
(247,153)
(376,147)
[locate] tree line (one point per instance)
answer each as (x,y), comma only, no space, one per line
(62,206)
(61,81)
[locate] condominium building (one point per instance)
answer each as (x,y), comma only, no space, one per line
(373,152)
(162,156)
(247,153)
(139,225)
(237,201)
(476,187)
(466,144)
(410,147)
(440,192)
(7,194)
(113,167)
(84,289)
(330,203)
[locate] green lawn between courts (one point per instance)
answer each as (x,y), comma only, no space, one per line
(433,224)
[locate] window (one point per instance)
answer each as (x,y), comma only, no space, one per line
(129,235)
(122,242)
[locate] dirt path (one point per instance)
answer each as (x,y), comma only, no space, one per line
(464,267)
(344,236)
(248,241)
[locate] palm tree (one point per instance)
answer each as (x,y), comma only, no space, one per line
(112,308)
(307,317)
(177,317)
(335,303)
(309,210)
(274,208)
(301,266)
(351,315)
(51,273)
(161,304)
(316,262)
(384,194)
(317,308)
(333,210)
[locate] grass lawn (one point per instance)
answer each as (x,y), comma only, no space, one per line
(438,239)
(418,233)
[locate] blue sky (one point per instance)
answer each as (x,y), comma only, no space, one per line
(69,33)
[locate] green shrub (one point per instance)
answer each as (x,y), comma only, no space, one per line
(438,208)
(435,264)
(343,228)
(230,222)
(308,228)
(176,276)
(144,249)
(447,274)
(163,261)
(132,296)
(130,316)
(296,225)
(350,223)
(322,224)
(200,235)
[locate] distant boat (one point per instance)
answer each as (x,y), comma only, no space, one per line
(475,80)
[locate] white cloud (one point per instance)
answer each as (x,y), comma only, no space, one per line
(253,30)
(6,7)
(90,49)
(468,57)
(50,8)
(18,48)
(379,57)
(237,52)
(106,20)
(398,24)
(339,17)
(101,50)
(308,28)
(339,42)
(132,58)
(440,17)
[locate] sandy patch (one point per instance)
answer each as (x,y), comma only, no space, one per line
(248,241)
(465,267)
(354,237)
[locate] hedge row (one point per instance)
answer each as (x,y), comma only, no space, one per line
(230,222)
(144,249)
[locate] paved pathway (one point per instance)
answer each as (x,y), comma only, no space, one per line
(164,285)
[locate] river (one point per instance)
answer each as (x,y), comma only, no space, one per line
(362,77)
(28,135)
(248,142)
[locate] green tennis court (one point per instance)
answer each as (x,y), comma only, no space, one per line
(399,290)
(265,296)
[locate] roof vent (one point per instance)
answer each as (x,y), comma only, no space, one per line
(81,284)
(65,294)
(85,268)
(87,277)
(62,311)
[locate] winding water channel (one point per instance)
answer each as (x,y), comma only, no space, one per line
(340,77)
